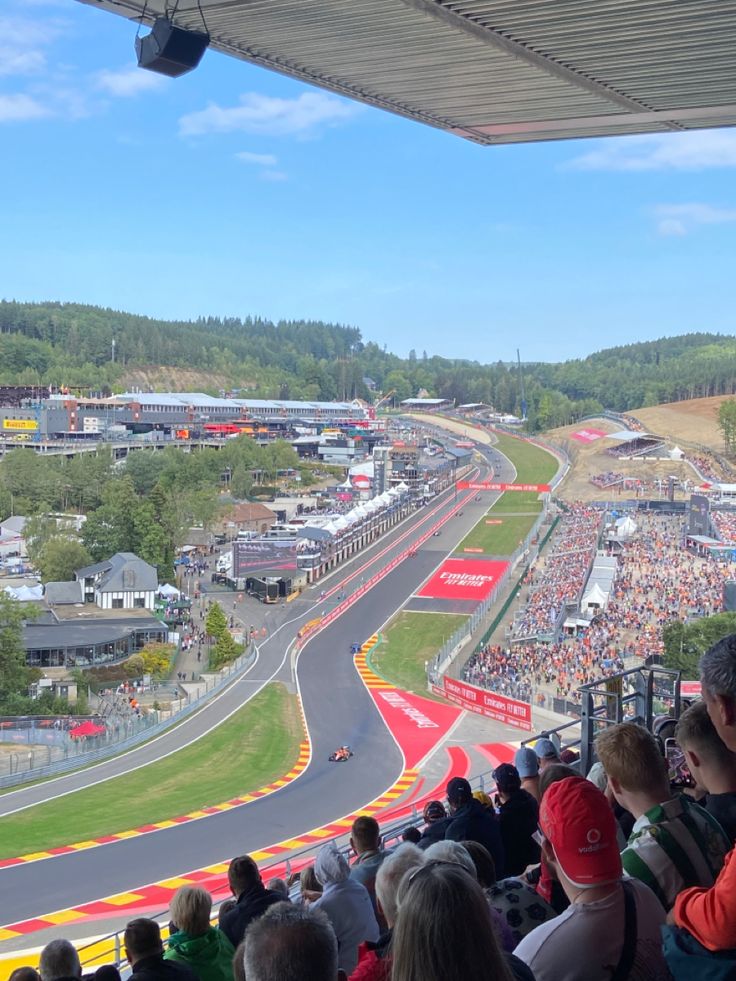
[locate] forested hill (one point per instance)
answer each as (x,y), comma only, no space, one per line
(667,370)
(71,344)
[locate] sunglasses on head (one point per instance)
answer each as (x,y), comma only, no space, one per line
(432,863)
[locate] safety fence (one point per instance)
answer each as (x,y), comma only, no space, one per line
(24,765)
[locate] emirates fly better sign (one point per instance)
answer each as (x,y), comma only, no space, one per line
(464,579)
(487,485)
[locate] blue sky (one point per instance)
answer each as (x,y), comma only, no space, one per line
(234,191)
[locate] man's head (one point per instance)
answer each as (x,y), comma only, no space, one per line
(718,679)
(636,770)
(389,875)
(25,974)
(365,835)
(458,793)
(507,779)
(142,939)
(526,762)
(705,752)
(546,752)
(434,810)
(580,834)
(59,959)
(242,874)
(291,943)
(190,910)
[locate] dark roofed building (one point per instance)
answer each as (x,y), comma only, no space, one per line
(122,582)
(54,643)
(63,593)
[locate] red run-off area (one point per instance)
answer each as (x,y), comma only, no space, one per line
(417,724)
(464,579)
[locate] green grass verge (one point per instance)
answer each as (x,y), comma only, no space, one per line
(410,641)
(258,744)
(533,464)
(500,539)
(518,502)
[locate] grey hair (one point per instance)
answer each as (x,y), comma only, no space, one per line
(291,943)
(59,959)
(718,667)
(190,910)
(452,851)
(390,873)
(278,885)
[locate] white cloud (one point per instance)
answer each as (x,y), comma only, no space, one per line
(264,159)
(679,219)
(23,40)
(273,175)
(697,150)
(21,62)
(264,114)
(128,81)
(20,107)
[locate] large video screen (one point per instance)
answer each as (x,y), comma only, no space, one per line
(264,556)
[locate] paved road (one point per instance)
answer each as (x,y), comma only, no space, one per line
(338,709)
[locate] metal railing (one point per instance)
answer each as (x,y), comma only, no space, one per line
(32,766)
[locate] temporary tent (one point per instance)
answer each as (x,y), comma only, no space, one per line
(169,591)
(595,598)
(625,527)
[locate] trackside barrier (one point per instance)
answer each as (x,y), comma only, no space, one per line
(109,949)
(59,767)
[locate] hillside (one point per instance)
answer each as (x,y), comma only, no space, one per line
(86,347)
(693,420)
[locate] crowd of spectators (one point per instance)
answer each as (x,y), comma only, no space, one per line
(556,877)
(558,579)
(711,468)
(657,581)
(606,479)
(724,524)
(640,445)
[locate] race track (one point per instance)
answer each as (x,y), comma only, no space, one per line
(338,710)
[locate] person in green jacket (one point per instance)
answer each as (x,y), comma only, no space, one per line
(193,941)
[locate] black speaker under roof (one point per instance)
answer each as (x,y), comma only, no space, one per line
(170,50)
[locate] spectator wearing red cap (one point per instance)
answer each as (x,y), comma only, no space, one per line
(473,822)
(612,926)
(518,816)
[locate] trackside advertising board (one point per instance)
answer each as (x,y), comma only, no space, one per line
(464,579)
(488,703)
(487,485)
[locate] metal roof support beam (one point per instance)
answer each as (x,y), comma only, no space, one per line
(436,8)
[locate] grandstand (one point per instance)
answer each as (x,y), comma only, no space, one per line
(638,445)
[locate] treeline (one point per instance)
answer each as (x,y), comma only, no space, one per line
(72,344)
(146,508)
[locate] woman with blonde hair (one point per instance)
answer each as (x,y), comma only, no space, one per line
(194,941)
(444,931)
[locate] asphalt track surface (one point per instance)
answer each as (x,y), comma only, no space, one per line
(338,710)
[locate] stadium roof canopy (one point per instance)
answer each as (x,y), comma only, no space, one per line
(492,71)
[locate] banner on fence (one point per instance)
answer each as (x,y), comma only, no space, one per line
(488,703)
(487,485)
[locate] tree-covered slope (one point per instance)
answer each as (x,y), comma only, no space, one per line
(72,344)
